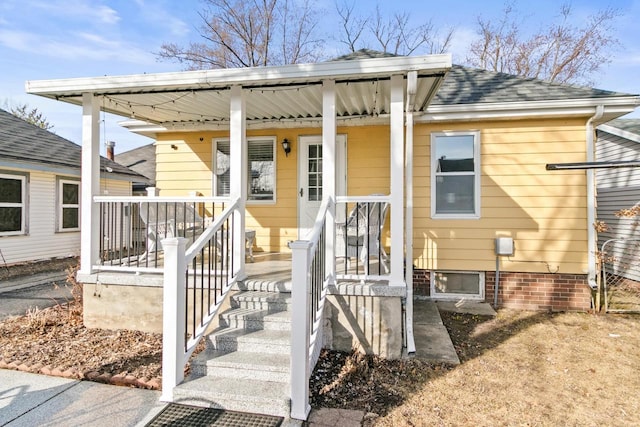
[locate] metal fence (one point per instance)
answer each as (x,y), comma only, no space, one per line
(620,267)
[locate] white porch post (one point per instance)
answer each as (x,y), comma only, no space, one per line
(173,321)
(329,129)
(412,84)
(300,326)
(397,180)
(90,177)
(238,173)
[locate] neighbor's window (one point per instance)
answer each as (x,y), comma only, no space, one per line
(261,179)
(13,196)
(447,284)
(68,205)
(455,175)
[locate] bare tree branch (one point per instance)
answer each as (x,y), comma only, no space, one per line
(249,33)
(560,52)
(352,25)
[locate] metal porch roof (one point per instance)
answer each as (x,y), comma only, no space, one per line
(273,94)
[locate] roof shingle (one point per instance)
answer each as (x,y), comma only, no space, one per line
(24,142)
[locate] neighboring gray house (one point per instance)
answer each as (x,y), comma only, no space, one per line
(143,161)
(619,188)
(40,191)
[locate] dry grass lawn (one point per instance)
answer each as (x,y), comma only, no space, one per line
(532,369)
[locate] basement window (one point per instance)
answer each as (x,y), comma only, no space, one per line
(457,284)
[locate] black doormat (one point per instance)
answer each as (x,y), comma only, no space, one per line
(194,416)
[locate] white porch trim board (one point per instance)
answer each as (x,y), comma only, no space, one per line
(90,182)
(396,124)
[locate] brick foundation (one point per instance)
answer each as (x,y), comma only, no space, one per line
(527,291)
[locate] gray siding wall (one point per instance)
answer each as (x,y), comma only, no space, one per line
(43,241)
(613,148)
(619,188)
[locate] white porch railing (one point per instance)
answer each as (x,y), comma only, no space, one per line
(309,280)
(132,228)
(196,281)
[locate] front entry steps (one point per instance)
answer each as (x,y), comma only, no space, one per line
(246,364)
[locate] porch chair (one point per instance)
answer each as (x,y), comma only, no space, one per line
(359,236)
(164,220)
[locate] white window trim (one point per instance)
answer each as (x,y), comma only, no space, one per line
(445,296)
(476,173)
(214,184)
(23,204)
(60,206)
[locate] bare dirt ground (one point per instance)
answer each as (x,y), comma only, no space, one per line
(518,369)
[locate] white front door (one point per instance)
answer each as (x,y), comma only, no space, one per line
(310,178)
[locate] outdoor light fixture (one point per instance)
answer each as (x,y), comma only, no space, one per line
(286,146)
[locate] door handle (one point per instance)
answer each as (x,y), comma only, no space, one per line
(301,192)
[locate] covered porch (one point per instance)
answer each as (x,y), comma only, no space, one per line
(193,246)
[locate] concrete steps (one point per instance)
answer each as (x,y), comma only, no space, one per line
(246,364)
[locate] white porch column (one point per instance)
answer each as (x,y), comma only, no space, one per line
(90,177)
(397,180)
(329,129)
(238,173)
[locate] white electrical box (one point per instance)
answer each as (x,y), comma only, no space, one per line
(504,246)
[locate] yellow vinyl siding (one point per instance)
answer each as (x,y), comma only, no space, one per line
(545,212)
(188,167)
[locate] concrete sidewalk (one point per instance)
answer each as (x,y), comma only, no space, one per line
(37,400)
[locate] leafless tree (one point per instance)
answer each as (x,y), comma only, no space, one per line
(559,52)
(241,33)
(392,34)
(30,115)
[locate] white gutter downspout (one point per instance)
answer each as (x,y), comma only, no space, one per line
(591,200)
(412,85)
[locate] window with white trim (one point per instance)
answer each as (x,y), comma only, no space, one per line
(13,204)
(261,169)
(457,284)
(68,205)
(455,175)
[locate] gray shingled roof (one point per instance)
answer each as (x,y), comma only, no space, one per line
(464,85)
(627,125)
(23,142)
(141,160)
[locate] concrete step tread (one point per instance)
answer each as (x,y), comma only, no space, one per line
(264,285)
(245,390)
(263,296)
(246,360)
(252,313)
(262,335)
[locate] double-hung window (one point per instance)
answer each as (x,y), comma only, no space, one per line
(13,204)
(455,175)
(68,205)
(261,169)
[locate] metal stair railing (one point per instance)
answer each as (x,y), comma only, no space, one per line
(196,281)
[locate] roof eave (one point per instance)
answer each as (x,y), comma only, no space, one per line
(254,76)
(614,107)
(619,132)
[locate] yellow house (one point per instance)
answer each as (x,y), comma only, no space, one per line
(375,180)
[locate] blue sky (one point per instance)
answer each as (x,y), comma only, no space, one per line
(50,39)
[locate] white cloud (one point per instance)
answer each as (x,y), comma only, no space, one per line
(462,39)
(82,9)
(77,47)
